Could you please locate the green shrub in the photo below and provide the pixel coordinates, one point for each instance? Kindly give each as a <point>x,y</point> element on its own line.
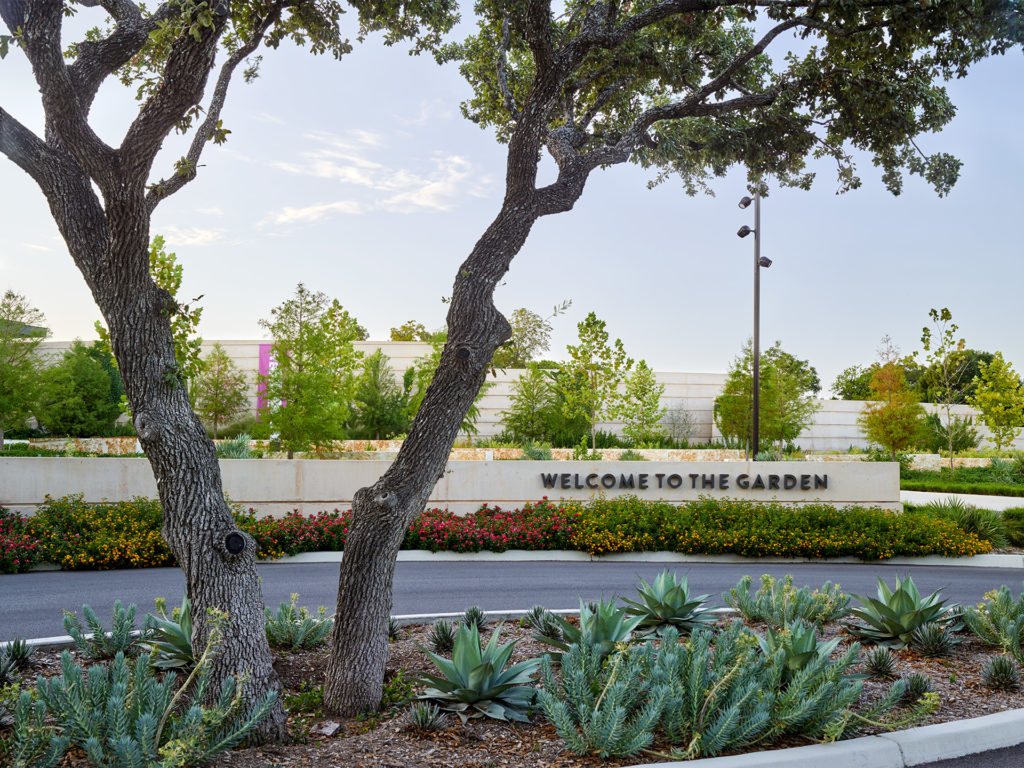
<point>536,451</point>
<point>630,455</point>
<point>965,436</point>
<point>983,523</point>
<point>291,627</point>
<point>100,644</point>
<point>998,621</point>
<point>1013,521</point>
<point>797,646</point>
<point>235,448</point>
<point>779,604</point>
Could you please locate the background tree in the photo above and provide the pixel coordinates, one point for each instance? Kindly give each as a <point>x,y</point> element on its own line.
<point>640,408</point>
<point>102,197</point>
<point>530,406</point>
<point>947,366</point>
<point>307,394</point>
<point>531,335</point>
<point>786,405</point>
<point>1000,399</point>
<point>853,383</point>
<point>75,397</point>
<point>379,402</point>
<point>685,87</point>
<point>894,419</point>
<point>600,368</point>
<point>21,331</point>
<point>420,374</point>
<point>929,380</point>
<point>411,331</point>
<point>220,390</point>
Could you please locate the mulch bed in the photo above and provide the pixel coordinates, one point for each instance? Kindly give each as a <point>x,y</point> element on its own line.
<point>385,740</point>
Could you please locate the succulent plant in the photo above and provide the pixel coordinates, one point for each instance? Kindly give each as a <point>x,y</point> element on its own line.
<point>933,640</point>
<point>917,685</point>
<point>602,624</point>
<point>442,636</point>
<point>799,645</point>
<point>667,602</point>
<point>880,663</point>
<point>424,717</point>
<point>1000,673</point>
<point>292,627</point>
<point>890,620</point>
<point>170,636</point>
<point>475,682</point>
<point>394,629</point>
<point>19,652</point>
<point>474,616</point>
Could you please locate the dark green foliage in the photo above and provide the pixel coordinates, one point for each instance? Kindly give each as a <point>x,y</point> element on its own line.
<point>983,523</point>
<point>603,709</point>
<point>1001,674</point>
<point>394,629</point>
<point>917,685</point>
<point>380,402</point>
<point>779,603</point>
<point>77,397</point>
<point>98,643</point>
<point>235,448</point>
<point>667,602</point>
<point>292,627</point>
<point>933,640</point>
<point>602,625</point>
<point>880,663</point>
<point>536,451</point>
<point>18,651</point>
<point>475,682</point>
<point>936,436</point>
<point>424,717</point>
<point>169,637</point>
<point>630,455</point>
<point>890,620</point>
<point>122,716</point>
<point>442,636</point>
<point>940,485</point>
<point>1013,521</point>
<point>475,617</point>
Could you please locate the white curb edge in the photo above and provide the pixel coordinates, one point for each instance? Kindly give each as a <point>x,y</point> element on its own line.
<point>562,555</point>
<point>899,749</point>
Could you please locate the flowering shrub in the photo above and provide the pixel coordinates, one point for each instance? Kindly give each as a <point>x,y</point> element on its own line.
<point>715,526</point>
<point>295,532</point>
<point>19,550</point>
<point>538,526</point>
<point>77,535</point>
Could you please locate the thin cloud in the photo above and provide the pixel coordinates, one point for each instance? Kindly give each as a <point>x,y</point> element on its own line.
<point>210,211</point>
<point>191,235</point>
<point>289,215</point>
<point>266,117</point>
<point>36,247</point>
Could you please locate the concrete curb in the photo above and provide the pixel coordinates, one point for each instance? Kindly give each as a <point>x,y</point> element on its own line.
<point>900,749</point>
<point>555,555</point>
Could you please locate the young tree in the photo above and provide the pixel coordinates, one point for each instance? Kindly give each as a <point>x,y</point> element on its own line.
<point>531,404</point>
<point>220,389</point>
<point>854,383</point>
<point>307,395</point>
<point>21,332</point>
<point>640,408</point>
<point>894,419</point>
<point>685,87</point>
<point>102,197</point>
<point>1000,399</point>
<point>531,335</point>
<point>379,401</point>
<point>76,396</point>
<point>601,368</point>
<point>947,366</point>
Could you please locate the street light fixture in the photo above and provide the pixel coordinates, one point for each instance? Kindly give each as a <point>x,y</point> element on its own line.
<point>759,262</point>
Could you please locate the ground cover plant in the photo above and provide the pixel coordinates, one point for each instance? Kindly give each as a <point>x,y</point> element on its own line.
<point>77,535</point>
<point>1001,478</point>
<point>730,686</point>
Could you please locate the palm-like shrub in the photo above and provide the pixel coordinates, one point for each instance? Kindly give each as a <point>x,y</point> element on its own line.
<point>98,643</point>
<point>602,625</point>
<point>603,709</point>
<point>780,603</point>
<point>667,602</point>
<point>292,627</point>
<point>475,683</point>
<point>169,636</point>
<point>891,619</point>
<point>999,621</point>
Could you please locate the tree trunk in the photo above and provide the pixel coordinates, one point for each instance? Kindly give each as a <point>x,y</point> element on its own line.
<point>383,511</point>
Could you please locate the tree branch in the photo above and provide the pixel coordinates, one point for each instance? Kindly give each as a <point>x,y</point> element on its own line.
<point>23,148</point>
<point>167,187</point>
<point>506,94</point>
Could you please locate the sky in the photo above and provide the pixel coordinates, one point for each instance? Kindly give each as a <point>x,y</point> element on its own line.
<point>361,179</point>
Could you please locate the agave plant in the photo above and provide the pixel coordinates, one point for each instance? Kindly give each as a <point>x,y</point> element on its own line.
<point>667,603</point>
<point>891,619</point>
<point>170,636</point>
<point>799,646</point>
<point>602,625</point>
<point>475,683</point>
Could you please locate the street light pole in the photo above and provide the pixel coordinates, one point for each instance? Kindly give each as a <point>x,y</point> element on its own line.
<point>758,263</point>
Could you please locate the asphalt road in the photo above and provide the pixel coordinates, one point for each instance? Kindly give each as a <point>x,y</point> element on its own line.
<point>31,604</point>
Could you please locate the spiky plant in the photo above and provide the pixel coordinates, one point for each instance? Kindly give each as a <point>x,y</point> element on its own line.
<point>880,663</point>
<point>535,617</point>
<point>667,603</point>
<point>19,652</point>
<point>170,636</point>
<point>780,603</point>
<point>98,643</point>
<point>602,624</point>
<point>442,636</point>
<point>933,640</point>
<point>293,627</point>
<point>394,629</point>
<point>475,683</point>
<point>890,620</point>
<point>8,668</point>
<point>999,621</point>
<point>603,709</point>
<point>424,717</point>
<point>983,523</point>
<point>1000,673</point>
<point>798,645</point>
<point>475,616</point>
<point>916,686</point>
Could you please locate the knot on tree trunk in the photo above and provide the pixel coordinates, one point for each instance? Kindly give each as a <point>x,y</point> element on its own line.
<point>233,545</point>
<point>145,427</point>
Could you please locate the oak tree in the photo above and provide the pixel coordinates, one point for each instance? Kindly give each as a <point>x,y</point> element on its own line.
<point>21,333</point>
<point>102,196</point>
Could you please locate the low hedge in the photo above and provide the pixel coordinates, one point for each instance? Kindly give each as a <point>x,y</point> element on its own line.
<point>952,486</point>
<point>77,535</point>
